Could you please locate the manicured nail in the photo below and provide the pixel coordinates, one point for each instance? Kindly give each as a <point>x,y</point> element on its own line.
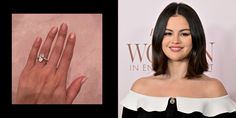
<point>37,42</point>
<point>72,35</point>
<point>38,39</point>
<point>64,26</point>
<point>83,80</point>
<point>54,29</point>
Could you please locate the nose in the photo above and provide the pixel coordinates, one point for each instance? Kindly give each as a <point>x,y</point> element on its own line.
<point>175,39</point>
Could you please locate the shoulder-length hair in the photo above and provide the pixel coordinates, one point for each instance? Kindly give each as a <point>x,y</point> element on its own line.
<point>197,56</point>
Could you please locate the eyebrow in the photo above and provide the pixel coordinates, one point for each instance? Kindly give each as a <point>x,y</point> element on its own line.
<point>179,31</point>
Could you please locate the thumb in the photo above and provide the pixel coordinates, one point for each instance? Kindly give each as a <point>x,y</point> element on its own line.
<point>74,89</point>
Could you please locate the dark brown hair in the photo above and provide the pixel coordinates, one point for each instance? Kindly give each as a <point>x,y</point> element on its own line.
<point>197,57</point>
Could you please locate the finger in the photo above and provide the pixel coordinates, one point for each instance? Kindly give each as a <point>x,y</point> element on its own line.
<point>33,53</point>
<point>67,55</point>
<point>48,42</point>
<point>56,52</point>
<point>74,89</point>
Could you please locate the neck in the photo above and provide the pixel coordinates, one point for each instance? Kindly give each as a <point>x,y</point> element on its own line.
<point>177,69</point>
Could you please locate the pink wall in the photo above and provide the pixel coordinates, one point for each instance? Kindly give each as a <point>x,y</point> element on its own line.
<point>87,58</point>
<point>135,26</point>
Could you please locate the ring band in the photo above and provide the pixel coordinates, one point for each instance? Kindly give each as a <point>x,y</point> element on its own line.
<point>42,58</point>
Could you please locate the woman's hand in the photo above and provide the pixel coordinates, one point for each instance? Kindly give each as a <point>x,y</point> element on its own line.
<point>43,80</point>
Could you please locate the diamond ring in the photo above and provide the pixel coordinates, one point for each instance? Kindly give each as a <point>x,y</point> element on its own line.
<point>42,58</point>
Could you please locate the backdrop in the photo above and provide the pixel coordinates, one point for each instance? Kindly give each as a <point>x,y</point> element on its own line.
<point>87,57</point>
<point>137,19</point>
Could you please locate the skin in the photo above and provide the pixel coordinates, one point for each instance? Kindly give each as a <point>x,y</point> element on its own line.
<point>45,82</point>
<point>176,45</point>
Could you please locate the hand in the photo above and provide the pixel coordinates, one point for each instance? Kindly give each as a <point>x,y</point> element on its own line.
<point>43,81</point>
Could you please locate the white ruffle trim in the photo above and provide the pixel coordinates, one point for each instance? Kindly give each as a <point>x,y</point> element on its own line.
<point>207,106</point>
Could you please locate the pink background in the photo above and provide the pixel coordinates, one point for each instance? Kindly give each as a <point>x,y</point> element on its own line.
<point>87,58</point>
<point>135,26</point>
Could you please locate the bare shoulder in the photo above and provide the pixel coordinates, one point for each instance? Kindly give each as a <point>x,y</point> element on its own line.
<point>215,87</point>
<point>142,84</point>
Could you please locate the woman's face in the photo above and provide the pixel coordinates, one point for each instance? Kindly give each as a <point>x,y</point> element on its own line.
<point>177,41</point>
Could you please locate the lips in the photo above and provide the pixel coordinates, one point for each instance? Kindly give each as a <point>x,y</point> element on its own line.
<point>176,48</point>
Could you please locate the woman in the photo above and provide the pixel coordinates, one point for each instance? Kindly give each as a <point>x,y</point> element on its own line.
<point>178,88</point>
<point>43,80</point>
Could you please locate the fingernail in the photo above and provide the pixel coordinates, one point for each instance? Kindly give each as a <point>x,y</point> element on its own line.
<point>54,29</point>
<point>83,80</point>
<point>37,42</point>
<point>38,39</point>
<point>64,26</point>
<point>72,35</point>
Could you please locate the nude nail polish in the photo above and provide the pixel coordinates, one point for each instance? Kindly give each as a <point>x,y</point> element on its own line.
<point>83,80</point>
<point>72,35</point>
<point>38,39</point>
<point>64,26</point>
<point>54,29</point>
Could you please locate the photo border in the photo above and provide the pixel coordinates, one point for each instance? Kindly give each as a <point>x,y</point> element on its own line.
<point>109,11</point>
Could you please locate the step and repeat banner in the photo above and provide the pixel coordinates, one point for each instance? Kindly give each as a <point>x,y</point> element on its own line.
<point>136,20</point>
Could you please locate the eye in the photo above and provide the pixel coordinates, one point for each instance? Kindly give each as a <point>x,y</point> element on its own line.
<point>167,34</point>
<point>185,34</point>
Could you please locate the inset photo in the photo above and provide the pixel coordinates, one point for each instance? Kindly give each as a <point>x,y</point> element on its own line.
<point>57,58</point>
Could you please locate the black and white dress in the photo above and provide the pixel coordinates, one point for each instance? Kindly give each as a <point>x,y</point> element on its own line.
<point>136,105</point>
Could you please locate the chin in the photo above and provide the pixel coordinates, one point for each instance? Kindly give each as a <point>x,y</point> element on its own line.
<point>176,58</point>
